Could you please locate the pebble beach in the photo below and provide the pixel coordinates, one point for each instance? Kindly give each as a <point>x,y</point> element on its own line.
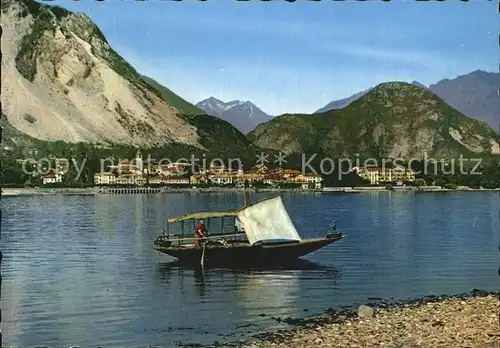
<point>461,321</point>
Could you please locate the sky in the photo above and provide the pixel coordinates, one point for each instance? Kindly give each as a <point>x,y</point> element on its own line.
<point>296,57</point>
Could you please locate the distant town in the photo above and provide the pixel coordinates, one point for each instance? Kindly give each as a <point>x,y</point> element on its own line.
<point>139,172</point>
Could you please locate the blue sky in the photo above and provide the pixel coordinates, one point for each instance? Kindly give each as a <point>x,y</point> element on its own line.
<point>296,57</point>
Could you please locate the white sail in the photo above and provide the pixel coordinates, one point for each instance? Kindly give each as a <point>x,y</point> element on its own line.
<point>267,220</point>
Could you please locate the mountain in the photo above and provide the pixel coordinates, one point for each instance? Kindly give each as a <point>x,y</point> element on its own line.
<point>244,115</point>
<point>418,84</point>
<point>173,99</point>
<point>61,80</point>
<point>342,103</point>
<point>394,119</point>
<point>475,95</point>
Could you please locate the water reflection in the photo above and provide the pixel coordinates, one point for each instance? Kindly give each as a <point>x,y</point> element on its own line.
<point>166,268</point>
<point>82,271</point>
<point>277,289</point>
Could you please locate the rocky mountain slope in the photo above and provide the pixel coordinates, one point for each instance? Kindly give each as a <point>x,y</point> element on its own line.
<point>12,138</point>
<point>475,95</point>
<point>244,115</point>
<point>392,120</point>
<point>61,80</point>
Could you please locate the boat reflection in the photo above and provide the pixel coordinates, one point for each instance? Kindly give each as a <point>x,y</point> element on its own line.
<point>292,265</point>
<point>252,282</point>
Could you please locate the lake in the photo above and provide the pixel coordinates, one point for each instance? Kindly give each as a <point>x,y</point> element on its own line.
<point>80,270</point>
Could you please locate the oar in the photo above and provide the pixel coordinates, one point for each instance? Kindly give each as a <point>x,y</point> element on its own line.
<point>203,254</point>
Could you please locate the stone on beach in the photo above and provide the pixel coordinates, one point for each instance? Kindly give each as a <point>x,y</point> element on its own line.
<point>448,323</point>
<point>365,311</point>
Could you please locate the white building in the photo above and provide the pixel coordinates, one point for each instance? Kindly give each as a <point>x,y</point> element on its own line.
<point>131,179</point>
<point>108,178</point>
<point>221,179</point>
<point>315,180</point>
<point>104,178</point>
<point>139,164</point>
<point>52,179</point>
<point>136,166</point>
<point>169,180</point>
<point>177,180</point>
<point>172,169</point>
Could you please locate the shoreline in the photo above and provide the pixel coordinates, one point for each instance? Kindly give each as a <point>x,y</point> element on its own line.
<point>462,320</point>
<point>6,192</point>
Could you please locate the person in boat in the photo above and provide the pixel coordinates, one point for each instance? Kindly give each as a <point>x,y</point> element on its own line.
<point>200,234</point>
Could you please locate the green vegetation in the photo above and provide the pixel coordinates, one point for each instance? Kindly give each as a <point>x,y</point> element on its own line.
<point>91,156</point>
<point>173,99</point>
<point>29,47</point>
<point>59,12</point>
<point>483,172</point>
<point>217,134</point>
<point>30,7</point>
<point>220,137</point>
<point>25,147</point>
<point>391,118</point>
<point>16,140</point>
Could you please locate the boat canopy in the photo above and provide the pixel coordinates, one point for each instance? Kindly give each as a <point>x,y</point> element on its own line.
<point>263,220</point>
<point>267,220</point>
<point>203,215</point>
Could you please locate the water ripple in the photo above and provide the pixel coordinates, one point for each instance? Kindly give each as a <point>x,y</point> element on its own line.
<point>80,270</point>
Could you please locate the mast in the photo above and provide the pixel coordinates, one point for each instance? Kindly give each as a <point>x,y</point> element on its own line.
<point>245,193</point>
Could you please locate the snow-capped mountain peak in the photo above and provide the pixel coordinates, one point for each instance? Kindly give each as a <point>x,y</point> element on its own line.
<point>244,115</point>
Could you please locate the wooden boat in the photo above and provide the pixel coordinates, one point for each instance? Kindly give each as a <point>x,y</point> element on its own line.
<point>266,236</point>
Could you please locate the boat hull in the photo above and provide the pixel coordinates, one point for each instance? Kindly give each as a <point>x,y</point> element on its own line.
<point>244,253</point>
